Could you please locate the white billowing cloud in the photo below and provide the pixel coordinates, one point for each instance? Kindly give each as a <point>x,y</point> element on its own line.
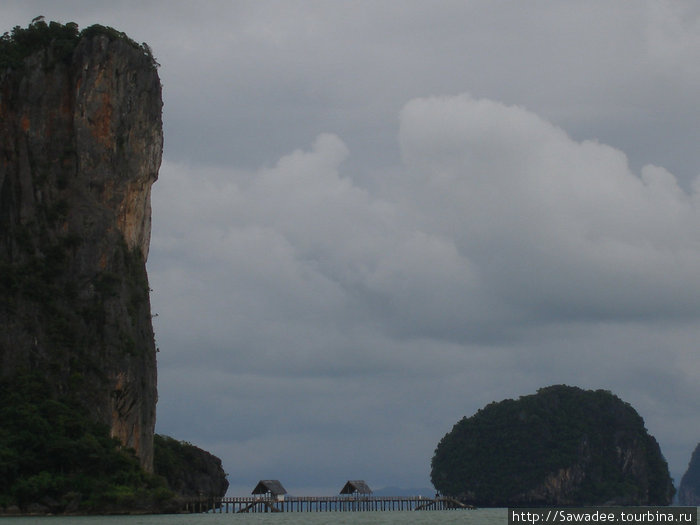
<point>554,226</point>
<point>497,219</point>
<point>300,243</point>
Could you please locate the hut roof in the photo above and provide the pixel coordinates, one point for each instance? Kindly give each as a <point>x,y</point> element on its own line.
<point>272,486</point>
<point>358,485</point>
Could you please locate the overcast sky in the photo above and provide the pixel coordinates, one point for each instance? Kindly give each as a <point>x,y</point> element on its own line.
<point>375,217</point>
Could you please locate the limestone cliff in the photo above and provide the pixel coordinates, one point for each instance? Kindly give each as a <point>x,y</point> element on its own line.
<point>80,146</point>
<point>689,491</point>
<point>560,446</point>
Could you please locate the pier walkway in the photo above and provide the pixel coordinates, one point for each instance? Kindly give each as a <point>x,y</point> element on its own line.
<point>323,504</point>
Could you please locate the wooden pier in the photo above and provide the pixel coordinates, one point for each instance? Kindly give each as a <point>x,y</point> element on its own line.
<point>323,504</point>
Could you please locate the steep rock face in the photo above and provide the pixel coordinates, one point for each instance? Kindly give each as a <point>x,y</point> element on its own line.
<point>689,491</point>
<point>189,470</point>
<point>80,145</point>
<point>561,446</point>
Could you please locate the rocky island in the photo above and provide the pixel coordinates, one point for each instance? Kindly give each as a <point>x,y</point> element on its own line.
<point>689,490</point>
<point>80,146</point>
<point>562,446</point>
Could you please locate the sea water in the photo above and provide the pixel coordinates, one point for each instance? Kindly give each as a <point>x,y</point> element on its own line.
<point>447,517</point>
<point>433,517</point>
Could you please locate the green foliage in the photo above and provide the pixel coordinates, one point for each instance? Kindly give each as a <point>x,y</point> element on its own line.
<point>507,449</point>
<point>21,42</point>
<point>113,34</point>
<point>177,461</point>
<point>168,456</point>
<point>44,278</point>
<point>52,451</point>
<point>172,457</point>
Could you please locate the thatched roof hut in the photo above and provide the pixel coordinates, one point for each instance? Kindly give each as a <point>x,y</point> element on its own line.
<point>356,487</point>
<point>270,486</point>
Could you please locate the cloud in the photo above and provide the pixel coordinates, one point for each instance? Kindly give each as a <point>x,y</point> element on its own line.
<point>498,219</point>
<point>500,248</point>
<point>555,227</point>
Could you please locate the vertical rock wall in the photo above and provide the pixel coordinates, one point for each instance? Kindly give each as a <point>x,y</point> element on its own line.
<point>80,146</point>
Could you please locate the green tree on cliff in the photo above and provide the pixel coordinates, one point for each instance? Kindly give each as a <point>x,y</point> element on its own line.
<point>55,458</point>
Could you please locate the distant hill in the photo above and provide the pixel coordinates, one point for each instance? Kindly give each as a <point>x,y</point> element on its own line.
<point>560,446</point>
<point>689,491</point>
<point>396,491</point>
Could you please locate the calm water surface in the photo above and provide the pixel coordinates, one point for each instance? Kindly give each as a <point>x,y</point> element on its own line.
<point>471,517</point>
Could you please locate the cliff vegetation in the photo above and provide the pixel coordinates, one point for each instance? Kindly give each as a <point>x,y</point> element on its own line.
<point>54,458</point>
<point>190,471</point>
<point>560,446</point>
<point>21,42</point>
